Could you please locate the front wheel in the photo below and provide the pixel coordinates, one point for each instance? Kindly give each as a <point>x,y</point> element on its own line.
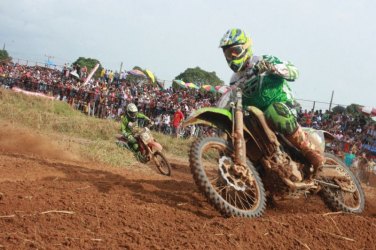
<point>350,196</point>
<point>232,190</point>
<point>162,163</point>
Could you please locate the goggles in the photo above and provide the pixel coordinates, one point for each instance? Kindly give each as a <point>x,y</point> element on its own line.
<point>132,114</point>
<point>235,52</point>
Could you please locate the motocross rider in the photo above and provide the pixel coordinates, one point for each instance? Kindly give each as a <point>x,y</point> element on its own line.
<point>265,86</point>
<point>130,121</point>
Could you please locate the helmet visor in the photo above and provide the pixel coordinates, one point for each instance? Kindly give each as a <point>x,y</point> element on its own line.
<point>234,52</point>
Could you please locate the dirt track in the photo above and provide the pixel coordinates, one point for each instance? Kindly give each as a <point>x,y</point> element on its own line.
<point>51,200</point>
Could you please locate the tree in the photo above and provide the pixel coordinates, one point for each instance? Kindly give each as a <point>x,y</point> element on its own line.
<point>89,63</point>
<point>138,68</point>
<point>4,56</point>
<point>338,109</point>
<point>353,109</point>
<point>199,77</point>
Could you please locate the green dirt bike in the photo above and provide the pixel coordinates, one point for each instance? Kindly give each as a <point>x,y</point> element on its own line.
<point>234,170</point>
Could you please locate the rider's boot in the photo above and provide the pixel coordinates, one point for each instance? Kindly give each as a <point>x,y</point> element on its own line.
<point>301,141</point>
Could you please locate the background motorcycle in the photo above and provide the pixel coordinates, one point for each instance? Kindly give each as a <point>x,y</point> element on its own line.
<point>149,149</point>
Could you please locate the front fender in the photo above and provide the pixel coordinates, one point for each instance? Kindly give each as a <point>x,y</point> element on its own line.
<point>222,119</point>
<point>211,116</point>
<point>155,146</point>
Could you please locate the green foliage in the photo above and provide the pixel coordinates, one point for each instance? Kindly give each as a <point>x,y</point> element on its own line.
<point>200,77</point>
<point>353,109</point>
<point>89,63</point>
<point>338,109</point>
<point>4,56</point>
<point>138,68</point>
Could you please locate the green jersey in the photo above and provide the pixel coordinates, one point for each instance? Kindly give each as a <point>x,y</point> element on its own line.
<point>127,125</point>
<point>261,90</point>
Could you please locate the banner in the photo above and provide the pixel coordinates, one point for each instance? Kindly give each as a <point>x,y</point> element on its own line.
<point>18,90</point>
<point>91,74</point>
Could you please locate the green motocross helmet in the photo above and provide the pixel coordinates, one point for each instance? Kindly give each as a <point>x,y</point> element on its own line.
<point>236,47</point>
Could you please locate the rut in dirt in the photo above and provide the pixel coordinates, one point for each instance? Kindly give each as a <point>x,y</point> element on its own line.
<point>139,208</point>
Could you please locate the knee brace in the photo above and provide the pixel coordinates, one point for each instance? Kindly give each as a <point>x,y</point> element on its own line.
<point>281,118</point>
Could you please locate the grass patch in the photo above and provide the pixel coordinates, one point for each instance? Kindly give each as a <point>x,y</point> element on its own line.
<point>91,138</point>
<point>57,116</point>
<point>178,147</point>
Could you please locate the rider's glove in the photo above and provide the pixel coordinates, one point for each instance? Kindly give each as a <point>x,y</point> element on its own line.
<point>131,125</point>
<point>129,137</point>
<point>265,66</point>
<point>125,134</point>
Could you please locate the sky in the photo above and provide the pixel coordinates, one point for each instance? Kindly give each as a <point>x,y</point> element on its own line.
<point>332,42</point>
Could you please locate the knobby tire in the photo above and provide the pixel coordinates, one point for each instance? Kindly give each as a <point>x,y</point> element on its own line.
<point>204,184</point>
<point>162,164</point>
<point>333,201</point>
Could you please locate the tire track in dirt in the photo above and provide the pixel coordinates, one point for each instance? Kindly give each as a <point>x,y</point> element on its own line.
<point>56,202</point>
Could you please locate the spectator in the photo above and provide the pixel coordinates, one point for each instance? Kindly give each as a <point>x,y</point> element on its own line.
<point>355,134</point>
<point>178,118</point>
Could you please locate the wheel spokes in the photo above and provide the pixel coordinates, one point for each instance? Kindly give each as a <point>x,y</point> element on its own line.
<point>240,192</point>
<point>349,193</point>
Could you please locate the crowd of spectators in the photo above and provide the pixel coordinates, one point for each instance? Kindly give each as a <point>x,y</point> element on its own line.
<point>107,95</point>
<point>355,135</point>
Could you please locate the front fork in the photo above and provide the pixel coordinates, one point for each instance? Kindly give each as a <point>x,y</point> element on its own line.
<point>238,131</point>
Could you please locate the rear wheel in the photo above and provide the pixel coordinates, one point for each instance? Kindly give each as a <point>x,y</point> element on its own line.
<point>162,163</point>
<point>350,196</point>
<point>233,190</point>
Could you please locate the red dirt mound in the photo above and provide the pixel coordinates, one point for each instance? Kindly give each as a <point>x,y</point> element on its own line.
<point>49,202</point>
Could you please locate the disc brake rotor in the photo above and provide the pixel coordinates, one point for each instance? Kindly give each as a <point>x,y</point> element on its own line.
<point>345,181</point>
<point>237,176</point>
